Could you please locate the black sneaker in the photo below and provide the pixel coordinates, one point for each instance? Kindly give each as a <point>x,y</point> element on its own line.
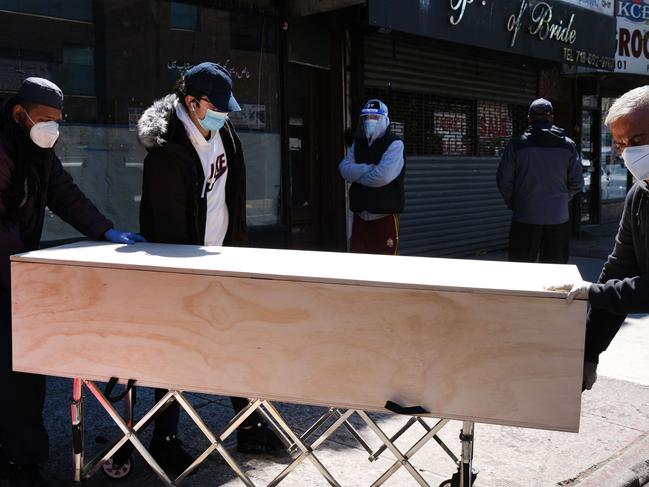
<point>28,476</point>
<point>258,439</point>
<point>168,451</point>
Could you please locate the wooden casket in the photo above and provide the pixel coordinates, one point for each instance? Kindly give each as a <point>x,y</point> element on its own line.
<point>472,340</point>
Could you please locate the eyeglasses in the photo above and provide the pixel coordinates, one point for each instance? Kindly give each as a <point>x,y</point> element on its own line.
<point>205,99</point>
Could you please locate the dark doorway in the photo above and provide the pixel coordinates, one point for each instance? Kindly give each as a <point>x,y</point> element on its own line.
<point>314,101</point>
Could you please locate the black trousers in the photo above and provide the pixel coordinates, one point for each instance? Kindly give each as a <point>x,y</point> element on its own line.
<point>23,435</point>
<point>547,244</point>
<point>167,423</point>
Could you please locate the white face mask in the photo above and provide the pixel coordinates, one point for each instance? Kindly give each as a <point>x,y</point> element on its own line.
<point>636,160</point>
<point>44,134</point>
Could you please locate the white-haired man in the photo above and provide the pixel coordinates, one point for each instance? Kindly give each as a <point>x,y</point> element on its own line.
<point>623,285</point>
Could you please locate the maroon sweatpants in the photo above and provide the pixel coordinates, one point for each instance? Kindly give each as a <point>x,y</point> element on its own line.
<point>375,237</point>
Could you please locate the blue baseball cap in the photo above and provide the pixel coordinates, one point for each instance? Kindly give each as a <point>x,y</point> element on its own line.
<point>374,107</point>
<point>215,82</point>
<point>41,92</point>
<point>541,106</point>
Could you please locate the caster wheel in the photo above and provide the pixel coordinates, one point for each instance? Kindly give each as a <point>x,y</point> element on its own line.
<point>455,480</point>
<point>116,471</point>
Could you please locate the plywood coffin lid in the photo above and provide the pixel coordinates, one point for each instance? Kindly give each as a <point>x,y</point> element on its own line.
<point>460,275</point>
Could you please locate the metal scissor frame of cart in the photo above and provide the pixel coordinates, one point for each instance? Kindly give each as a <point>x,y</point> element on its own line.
<point>298,445</point>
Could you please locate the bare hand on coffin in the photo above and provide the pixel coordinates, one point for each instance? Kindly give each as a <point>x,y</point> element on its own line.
<point>578,290</point>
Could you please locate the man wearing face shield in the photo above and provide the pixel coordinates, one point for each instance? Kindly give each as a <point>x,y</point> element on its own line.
<point>194,192</point>
<point>623,285</point>
<point>31,178</point>
<point>375,167</point>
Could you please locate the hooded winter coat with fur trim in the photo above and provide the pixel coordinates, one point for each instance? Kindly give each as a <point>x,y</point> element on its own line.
<point>172,209</point>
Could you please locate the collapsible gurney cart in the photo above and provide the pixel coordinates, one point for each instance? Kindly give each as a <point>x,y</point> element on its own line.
<point>477,341</point>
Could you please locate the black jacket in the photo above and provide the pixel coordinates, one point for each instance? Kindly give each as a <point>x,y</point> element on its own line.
<point>172,209</point>
<point>539,173</point>
<point>384,199</point>
<point>623,286</point>
<point>50,185</point>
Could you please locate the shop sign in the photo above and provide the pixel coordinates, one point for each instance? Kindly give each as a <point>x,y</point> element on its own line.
<point>602,6</point>
<point>573,32</point>
<point>494,121</point>
<point>632,55</point>
<point>236,72</point>
<point>451,128</point>
<point>134,114</point>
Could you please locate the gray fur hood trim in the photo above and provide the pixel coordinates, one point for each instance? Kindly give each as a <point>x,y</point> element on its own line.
<point>152,128</point>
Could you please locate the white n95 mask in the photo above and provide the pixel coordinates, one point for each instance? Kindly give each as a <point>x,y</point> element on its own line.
<point>636,160</point>
<point>44,134</point>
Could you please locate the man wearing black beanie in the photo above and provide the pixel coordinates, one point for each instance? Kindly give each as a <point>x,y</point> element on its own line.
<point>31,178</point>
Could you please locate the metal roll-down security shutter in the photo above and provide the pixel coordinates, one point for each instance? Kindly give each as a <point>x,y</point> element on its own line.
<point>453,206</point>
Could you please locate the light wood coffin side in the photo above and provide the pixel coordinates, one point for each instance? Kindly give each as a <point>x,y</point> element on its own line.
<point>510,360</point>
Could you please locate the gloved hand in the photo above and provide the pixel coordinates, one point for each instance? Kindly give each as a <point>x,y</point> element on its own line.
<point>122,237</point>
<point>589,377</point>
<point>578,290</point>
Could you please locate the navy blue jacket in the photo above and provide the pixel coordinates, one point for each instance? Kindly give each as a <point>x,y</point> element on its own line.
<point>623,286</point>
<point>539,173</point>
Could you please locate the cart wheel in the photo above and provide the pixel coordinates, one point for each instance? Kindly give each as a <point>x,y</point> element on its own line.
<point>115,471</point>
<point>455,480</point>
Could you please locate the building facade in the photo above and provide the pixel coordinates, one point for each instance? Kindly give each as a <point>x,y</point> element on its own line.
<point>457,75</point>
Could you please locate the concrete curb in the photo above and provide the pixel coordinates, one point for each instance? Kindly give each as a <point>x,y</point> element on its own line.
<point>628,468</point>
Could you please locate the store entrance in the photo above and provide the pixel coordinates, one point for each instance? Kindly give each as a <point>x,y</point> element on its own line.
<point>590,162</point>
<point>315,147</point>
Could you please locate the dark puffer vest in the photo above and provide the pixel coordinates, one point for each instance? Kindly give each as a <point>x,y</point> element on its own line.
<point>385,199</point>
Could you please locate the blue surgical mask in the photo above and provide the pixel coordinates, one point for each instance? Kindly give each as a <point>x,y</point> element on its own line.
<point>370,127</point>
<point>213,121</point>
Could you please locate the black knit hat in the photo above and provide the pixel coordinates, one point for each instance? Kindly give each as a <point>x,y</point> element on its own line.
<point>41,92</point>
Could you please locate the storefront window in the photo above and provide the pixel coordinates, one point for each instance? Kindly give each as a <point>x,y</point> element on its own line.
<point>495,127</point>
<point>114,66</point>
<point>65,9</point>
<point>435,125</point>
<point>184,16</point>
<point>613,173</point>
<point>77,73</point>
<point>588,165</point>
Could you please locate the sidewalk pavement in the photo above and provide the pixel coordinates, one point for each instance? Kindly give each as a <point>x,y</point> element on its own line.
<point>611,449</point>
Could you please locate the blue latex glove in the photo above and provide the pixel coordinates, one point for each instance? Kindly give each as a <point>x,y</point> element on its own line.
<point>121,237</point>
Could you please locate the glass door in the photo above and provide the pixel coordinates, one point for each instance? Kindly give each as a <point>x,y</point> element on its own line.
<point>613,173</point>
<point>590,164</point>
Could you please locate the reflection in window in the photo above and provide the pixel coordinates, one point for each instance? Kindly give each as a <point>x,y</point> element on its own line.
<point>65,9</point>
<point>113,70</point>
<point>77,74</point>
<point>613,174</point>
<point>252,33</point>
<point>184,16</point>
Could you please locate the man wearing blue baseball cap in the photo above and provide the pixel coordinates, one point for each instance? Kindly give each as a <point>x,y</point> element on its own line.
<point>194,192</point>
<point>31,178</point>
<point>375,167</point>
<point>539,173</point>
